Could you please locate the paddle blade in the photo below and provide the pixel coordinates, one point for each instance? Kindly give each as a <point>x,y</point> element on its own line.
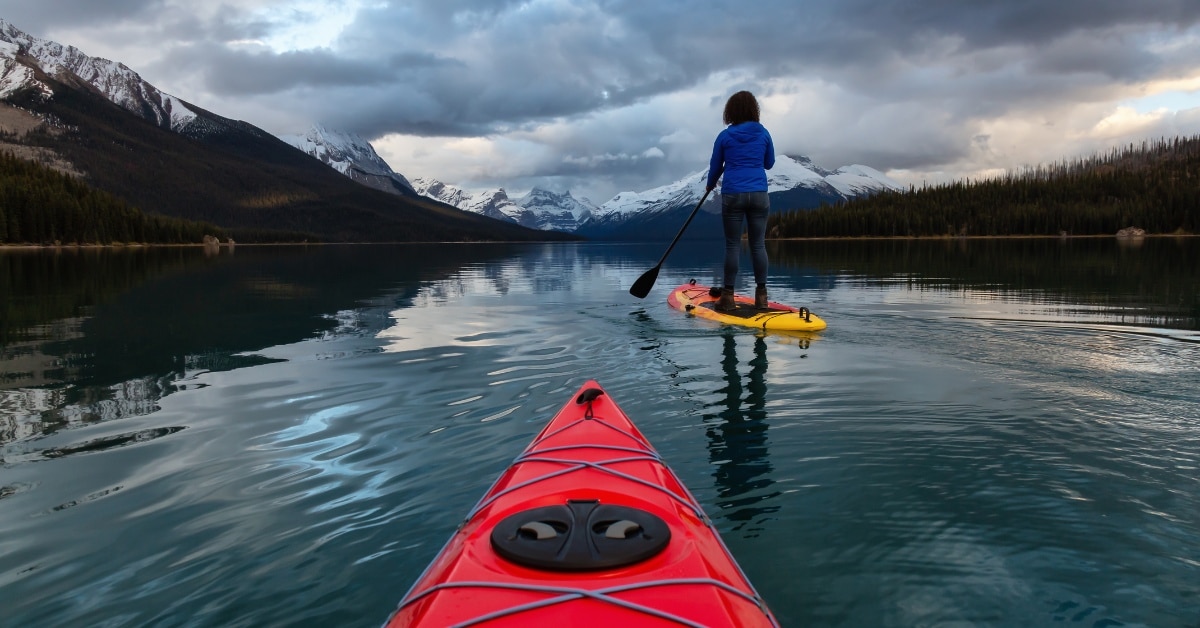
<point>642,286</point>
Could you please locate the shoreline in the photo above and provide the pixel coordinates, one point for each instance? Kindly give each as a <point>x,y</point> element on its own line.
<point>946,238</point>
<point>140,245</point>
<point>994,237</point>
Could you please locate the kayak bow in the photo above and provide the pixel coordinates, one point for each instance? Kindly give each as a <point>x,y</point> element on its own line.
<point>588,526</point>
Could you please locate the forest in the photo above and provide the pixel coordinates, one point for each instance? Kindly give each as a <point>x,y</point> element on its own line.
<point>1154,186</point>
<point>39,205</point>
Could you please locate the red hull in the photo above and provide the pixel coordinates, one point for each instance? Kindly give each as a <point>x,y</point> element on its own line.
<point>589,451</point>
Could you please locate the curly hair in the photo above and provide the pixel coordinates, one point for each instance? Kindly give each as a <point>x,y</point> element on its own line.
<point>741,107</point>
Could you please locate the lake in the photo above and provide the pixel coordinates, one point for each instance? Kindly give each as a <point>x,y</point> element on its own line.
<point>989,433</point>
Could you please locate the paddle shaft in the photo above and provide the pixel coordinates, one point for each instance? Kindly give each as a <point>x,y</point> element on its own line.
<point>683,228</point>
<point>641,287</point>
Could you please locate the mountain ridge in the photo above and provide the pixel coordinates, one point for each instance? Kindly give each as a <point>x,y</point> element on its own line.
<point>351,155</point>
<point>540,209</point>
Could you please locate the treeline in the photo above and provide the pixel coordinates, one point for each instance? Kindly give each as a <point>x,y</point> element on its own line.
<point>39,205</point>
<point>1154,186</point>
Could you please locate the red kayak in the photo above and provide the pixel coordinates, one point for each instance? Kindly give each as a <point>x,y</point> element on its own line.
<point>587,527</point>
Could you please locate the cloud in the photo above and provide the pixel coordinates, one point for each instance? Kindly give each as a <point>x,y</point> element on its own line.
<point>43,15</point>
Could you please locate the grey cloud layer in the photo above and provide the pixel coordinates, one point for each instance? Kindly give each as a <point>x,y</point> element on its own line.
<point>506,64</point>
<point>526,61</point>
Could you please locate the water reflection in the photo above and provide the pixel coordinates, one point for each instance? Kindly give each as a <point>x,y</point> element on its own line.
<point>93,335</point>
<point>1155,283</point>
<point>737,438</point>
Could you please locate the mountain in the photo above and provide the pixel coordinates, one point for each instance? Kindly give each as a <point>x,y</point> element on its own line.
<point>554,211</point>
<point>168,156</point>
<point>492,203</point>
<point>351,155</point>
<point>539,209</point>
<point>795,182</point>
<point>68,65</point>
<point>445,193</point>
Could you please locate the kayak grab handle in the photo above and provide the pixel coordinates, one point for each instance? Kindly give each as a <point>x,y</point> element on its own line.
<point>589,396</point>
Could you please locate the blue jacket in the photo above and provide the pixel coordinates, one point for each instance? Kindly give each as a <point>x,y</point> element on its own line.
<point>744,153</point>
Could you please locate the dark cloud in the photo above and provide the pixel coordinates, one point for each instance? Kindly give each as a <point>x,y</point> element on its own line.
<point>524,62</point>
<point>983,24</point>
<point>39,16</point>
<point>235,73</point>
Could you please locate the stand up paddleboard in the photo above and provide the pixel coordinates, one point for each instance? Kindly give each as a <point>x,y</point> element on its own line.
<point>701,301</point>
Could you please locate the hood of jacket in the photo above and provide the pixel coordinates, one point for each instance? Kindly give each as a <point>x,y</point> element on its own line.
<point>747,132</point>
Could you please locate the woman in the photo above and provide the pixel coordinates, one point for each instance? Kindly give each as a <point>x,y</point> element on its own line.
<point>743,152</point>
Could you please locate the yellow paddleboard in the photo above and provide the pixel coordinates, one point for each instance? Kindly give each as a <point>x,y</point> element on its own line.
<point>700,301</point>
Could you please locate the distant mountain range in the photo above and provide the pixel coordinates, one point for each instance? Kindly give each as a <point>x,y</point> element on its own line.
<point>162,154</point>
<point>794,183</point>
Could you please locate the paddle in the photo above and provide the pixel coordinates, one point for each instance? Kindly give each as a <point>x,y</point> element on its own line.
<point>642,286</point>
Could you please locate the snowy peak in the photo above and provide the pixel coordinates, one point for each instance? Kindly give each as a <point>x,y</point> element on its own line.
<point>439,191</point>
<point>687,190</point>
<point>806,162</point>
<point>789,174</point>
<point>491,203</point>
<point>858,180</point>
<point>67,64</point>
<point>539,209</point>
<point>558,212</point>
<point>849,181</point>
<point>351,155</point>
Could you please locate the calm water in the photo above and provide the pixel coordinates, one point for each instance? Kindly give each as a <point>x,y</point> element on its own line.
<point>993,433</point>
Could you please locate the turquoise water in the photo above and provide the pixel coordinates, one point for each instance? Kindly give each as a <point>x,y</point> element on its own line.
<point>989,433</point>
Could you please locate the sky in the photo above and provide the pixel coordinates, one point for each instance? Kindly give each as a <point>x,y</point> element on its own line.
<point>605,96</point>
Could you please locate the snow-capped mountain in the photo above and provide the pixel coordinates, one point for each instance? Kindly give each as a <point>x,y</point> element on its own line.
<point>492,203</point>
<point>539,209</point>
<point>443,192</point>
<point>849,181</point>
<point>23,56</point>
<point>557,212</point>
<point>788,175</point>
<point>795,182</point>
<point>351,155</point>
<point>626,205</point>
